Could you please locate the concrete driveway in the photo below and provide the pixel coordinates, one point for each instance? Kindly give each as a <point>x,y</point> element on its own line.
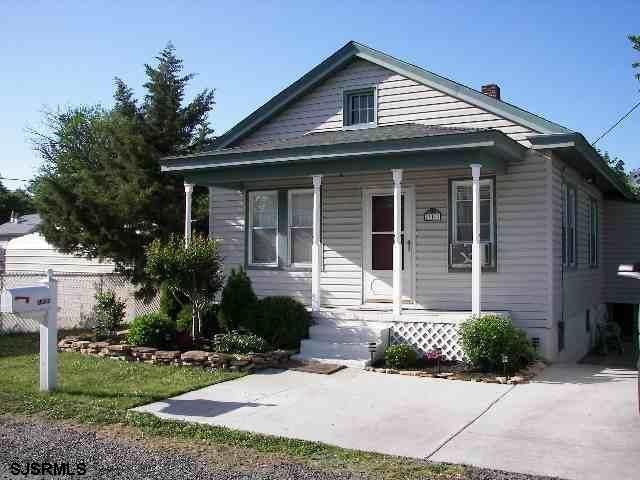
<point>575,422</point>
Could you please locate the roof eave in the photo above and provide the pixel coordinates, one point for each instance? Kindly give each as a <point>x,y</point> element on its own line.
<point>502,145</point>
<point>576,142</point>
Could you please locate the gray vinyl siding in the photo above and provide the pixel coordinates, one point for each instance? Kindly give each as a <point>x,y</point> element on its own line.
<point>520,283</point>
<point>579,288</point>
<point>621,230</point>
<point>400,100</point>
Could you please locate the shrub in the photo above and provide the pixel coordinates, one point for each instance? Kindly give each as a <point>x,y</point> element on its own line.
<point>152,330</point>
<point>486,338</point>
<point>209,324</point>
<point>184,319</point>
<point>235,342</point>
<point>193,270</point>
<point>400,356</point>
<point>169,304</point>
<point>109,314</point>
<point>281,321</point>
<point>238,301</point>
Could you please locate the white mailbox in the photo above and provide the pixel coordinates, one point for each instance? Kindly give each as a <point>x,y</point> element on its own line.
<point>25,299</point>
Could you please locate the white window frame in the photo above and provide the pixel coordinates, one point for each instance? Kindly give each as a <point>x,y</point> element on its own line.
<point>290,193</point>
<point>566,189</point>
<point>346,94</point>
<point>594,222</point>
<point>454,210</point>
<point>251,227</point>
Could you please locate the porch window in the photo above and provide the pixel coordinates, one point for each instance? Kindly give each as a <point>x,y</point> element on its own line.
<point>300,227</point>
<point>263,228</point>
<point>359,107</point>
<point>462,223</point>
<point>569,225</point>
<point>594,232</point>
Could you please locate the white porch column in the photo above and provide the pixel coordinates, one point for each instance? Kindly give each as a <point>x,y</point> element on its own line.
<point>476,266</point>
<point>316,248</point>
<point>210,212</point>
<point>188,191</point>
<point>397,243</point>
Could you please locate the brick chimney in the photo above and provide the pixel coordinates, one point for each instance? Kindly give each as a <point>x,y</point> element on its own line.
<point>492,90</point>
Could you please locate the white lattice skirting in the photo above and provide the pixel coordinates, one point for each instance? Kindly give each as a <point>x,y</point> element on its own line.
<point>425,336</point>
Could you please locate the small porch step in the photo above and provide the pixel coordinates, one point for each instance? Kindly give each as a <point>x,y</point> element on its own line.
<point>348,354</point>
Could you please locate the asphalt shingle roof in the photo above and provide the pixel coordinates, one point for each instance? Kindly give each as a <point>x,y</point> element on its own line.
<point>26,224</point>
<point>356,135</point>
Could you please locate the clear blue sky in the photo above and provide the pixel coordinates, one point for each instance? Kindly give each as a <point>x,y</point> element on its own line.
<point>567,61</point>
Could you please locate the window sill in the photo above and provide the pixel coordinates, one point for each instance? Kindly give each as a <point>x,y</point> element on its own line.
<point>468,269</point>
<point>360,126</point>
<point>291,268</point>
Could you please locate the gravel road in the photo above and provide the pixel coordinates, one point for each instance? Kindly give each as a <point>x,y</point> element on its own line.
<point>104,457</point>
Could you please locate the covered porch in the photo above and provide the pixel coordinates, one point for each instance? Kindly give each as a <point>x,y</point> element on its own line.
<point>371,227</point>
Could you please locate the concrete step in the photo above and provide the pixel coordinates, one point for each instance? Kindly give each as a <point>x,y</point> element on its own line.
<point>350,354</point>
<point>344,333</point>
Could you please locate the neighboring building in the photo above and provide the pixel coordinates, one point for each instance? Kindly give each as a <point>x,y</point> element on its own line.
<point>18,226</point>
<point>354,190</point>
<point>32,253</point>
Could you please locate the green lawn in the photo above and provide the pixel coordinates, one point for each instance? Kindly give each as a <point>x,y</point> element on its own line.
<point>100,391</point>
<point>90,389</point>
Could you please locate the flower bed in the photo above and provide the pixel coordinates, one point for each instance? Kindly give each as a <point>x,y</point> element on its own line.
<point>461,371</point>
<point>193,358</point>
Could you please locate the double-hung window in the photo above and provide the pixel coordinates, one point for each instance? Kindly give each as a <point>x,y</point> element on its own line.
<point>359,107</point>
<point>300,235</point>
<point>462,222</point>
<point>569,254</point>
<point>594,232</point>
<point>263,228</point>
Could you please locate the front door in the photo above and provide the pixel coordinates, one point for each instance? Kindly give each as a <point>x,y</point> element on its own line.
<point>378,247</point>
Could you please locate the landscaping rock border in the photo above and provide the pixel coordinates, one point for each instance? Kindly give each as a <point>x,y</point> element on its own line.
<point>522,376</point>
<point>192,358</point>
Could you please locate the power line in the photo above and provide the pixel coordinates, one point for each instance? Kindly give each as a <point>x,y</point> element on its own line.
<point>617,123</point>
<point>15,179</point>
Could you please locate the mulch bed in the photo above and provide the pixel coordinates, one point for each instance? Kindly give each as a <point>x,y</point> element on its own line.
<point>461,371</point>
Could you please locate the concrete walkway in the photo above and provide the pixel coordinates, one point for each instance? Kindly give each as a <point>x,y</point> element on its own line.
<point>577,421</point>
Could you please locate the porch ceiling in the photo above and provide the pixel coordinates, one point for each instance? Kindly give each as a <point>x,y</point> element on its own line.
<point>410,146</point>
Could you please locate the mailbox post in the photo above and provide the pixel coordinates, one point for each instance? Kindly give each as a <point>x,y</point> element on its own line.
<point>39,298</point>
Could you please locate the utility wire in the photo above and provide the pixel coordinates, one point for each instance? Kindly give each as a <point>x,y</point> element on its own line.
<point>15,179</point>
<point>616,124</point>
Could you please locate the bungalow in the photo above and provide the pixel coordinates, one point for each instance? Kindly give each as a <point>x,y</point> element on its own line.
<point>397,203</point>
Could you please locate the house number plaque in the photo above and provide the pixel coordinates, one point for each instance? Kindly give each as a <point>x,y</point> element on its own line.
<point>432,215</point>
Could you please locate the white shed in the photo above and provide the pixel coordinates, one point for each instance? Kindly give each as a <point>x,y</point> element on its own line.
<point>32,253</point>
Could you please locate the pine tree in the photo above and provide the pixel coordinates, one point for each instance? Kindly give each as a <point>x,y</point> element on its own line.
<point>100,191</point>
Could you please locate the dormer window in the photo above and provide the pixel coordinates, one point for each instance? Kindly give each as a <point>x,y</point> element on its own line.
<point>359,107</point>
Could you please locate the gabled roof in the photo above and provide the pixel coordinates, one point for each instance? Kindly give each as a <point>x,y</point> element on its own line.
<point>354,50</point>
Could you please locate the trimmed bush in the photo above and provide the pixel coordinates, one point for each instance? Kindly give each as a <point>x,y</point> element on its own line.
<point>400,356</point>
<point>235,342</point>
<point>238,301</point>
<point>281,321</point>
<point>152,330</point>
<point>109,314</point>
<point>486,338</point>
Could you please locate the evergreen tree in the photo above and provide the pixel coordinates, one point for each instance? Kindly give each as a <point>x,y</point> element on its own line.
<point>100,190</point>
<point>18,201</point>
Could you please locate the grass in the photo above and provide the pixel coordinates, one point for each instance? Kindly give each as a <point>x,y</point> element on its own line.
<point>100,392</point>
